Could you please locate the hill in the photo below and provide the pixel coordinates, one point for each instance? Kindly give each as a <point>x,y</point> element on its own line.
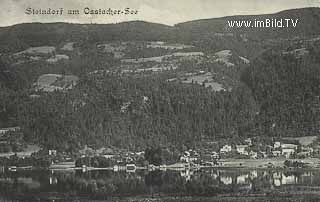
<point>21,36</point>
<point>308,25</point>
<point>136,84</point>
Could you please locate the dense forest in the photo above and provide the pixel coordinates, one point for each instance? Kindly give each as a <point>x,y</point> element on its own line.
<point>134,113</point>
<point>287,89</point>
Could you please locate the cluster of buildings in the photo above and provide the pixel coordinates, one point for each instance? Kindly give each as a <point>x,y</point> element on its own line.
<point>249,150</point>
<point>281,148</point>
<point>8,134</point>
<point>290,149</point>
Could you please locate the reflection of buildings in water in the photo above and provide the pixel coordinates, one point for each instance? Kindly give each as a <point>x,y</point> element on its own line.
<point>187,174</point>
<point>277,182</point>
<point>277,175</point>
<point>1,169</point>
<point>29,182</point>
<point>241,179</point>
<point>214,175</point>
<point>253,174</point>
<point>280,178</point>
<point>306,178</point>
<point>277,178</point>
<point>227,180</point>
<point>53,180</point>
<point>265,174</point>
<point>7,180</point>
<point>290,179</point>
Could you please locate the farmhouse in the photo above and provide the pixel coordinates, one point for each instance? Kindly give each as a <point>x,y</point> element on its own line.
<point>225,149</point>
<point>277,145</point>
<point>288,149</point>
<point>242,149</point>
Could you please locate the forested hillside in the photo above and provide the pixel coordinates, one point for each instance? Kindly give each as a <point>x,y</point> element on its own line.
<point>135,113</point>
<point>287,88</point>
<point>137,84</point>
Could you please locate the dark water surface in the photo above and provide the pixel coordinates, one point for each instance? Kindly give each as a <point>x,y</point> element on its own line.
<point>45,185</point>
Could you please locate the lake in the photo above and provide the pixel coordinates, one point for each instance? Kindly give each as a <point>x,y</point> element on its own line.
<point>46,185</point>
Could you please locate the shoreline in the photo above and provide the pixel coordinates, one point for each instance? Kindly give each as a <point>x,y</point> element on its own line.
<point>240,164</point>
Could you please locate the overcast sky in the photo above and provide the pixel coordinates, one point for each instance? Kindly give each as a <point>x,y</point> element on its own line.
<point>161,11</point>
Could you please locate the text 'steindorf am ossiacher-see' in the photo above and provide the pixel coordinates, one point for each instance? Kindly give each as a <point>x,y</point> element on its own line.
<point>85,11</point>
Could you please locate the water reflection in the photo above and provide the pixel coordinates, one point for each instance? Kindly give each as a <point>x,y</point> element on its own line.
<point>104,184</point>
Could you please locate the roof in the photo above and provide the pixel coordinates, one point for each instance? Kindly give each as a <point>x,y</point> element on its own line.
<point>241,146</point>
<point>289,146</point>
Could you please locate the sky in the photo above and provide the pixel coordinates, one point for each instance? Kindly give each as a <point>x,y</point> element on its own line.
<point>167,12</point>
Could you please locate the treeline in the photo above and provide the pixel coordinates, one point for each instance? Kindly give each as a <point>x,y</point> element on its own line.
<point>34,160</point>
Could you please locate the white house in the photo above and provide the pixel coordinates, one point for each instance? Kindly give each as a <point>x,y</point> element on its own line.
<point>225,149</point>
<point>242,149</point>
<point>277,145</point>
<point>288,149</point>
<point>189,156</point>
<point>188,159</point>
<point>52,152</point>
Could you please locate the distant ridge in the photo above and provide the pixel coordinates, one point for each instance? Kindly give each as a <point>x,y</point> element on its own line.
<point>21,36</point>
<point>308,24</point>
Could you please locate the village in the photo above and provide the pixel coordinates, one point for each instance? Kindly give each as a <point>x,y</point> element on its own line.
<point>249,153</point>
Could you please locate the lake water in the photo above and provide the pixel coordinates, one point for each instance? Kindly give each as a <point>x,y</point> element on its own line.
<point>44,185</point>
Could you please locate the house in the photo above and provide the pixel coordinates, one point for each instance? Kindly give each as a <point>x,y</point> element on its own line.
<point>11,129</point>
<point>242,149</point>
<point>184,159</point>
<point>276,153</point>
<point>253,154</point>
<point>263,155</point>
<point>277,145</point>
<point>225,149</point>
<point>215,155</point>
<point>189,156</point>
<point>248,141</point>
<point>288,149</point>
<point>306,152</point>
<point>52,152</point>
<point>188,159</point>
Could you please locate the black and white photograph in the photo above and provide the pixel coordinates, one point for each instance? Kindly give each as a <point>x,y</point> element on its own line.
<point>160,101</point>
